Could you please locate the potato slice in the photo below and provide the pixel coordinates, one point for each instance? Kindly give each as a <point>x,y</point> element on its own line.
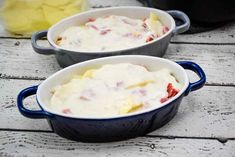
<point>155,25</point>
<point>153,17</point>
<point>34,4</point>
<point>72,10</point>
<point>13,4</point>
<point>75,6</point>
<point>37,19</point>
<point>53,14</point>
<point>16,22</point>
<point>14,15</point>
<point>76,77</point>
<point>135,107</point>
<point>27,16</point>
<point>23,16</point>
<point>8,4</point>
<point>58,3</point>
<point>88,73</point>
<point>140,84</point>
<point>129,106</point>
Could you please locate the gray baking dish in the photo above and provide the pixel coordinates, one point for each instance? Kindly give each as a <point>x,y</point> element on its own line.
<point>157,47</point>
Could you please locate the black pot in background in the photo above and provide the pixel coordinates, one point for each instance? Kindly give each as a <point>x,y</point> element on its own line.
<point>199,11</point>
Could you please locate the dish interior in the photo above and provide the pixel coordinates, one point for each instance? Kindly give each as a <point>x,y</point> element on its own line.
<point>131,12</point>
<point>44,92</point>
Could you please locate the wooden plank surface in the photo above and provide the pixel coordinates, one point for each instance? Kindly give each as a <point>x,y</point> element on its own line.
<point>23,62</point>
<point>211,109</point>
<point>216,60</point>
<point>10,116</point>
<point>49,144</point>
<point>204,116</point>
<point>19,56</point>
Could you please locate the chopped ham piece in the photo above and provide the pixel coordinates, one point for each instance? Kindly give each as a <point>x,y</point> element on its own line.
<point>94,27</point>
<point>150,38</point>
<point>162,100</point>
<point>83,98</point>
<point>165,29</point>
<point>66,111</point>
<point>144,25</point>
<point>103,32</point>
<point>91,19</point>
<point>171,92</point>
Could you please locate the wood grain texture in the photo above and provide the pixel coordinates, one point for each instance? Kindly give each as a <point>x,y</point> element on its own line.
<point>203,117</point>
<point>23,62</point>
<point>49,144</point>
<point>216,60</point>
<point>10,117</point>
<point>211,110</point>
<point>208,112</point>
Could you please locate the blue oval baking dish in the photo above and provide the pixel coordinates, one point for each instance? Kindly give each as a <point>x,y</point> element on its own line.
<point>95,129</point>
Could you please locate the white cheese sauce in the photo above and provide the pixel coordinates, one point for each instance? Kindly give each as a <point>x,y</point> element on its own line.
<point>110,33</point>
<point>113,89</point>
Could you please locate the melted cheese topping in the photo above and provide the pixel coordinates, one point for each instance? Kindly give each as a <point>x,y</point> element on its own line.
<point>113,89</point>
<point>111,33</point>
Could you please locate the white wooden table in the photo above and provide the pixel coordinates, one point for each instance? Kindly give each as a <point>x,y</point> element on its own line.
<point>204,125</point>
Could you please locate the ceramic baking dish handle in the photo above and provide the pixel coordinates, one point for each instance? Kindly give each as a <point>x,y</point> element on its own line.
<point>180,16</point>
<point>42,50</point>
<point>26,112</point>
<point>198,70</point>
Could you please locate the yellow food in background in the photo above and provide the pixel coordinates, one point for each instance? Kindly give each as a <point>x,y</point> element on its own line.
<point>53,14</point>
<point>28,16</point>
